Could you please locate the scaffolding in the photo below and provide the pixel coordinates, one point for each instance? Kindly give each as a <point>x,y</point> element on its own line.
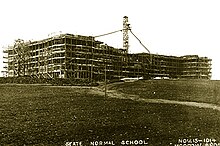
<point>83,57</point>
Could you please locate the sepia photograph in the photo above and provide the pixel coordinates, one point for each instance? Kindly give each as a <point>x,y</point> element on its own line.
<point>110,73</point>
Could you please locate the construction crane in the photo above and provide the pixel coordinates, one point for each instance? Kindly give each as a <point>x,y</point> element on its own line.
<point>126,29</point>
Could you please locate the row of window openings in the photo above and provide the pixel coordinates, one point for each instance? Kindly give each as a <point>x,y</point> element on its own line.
<point>62,41</point>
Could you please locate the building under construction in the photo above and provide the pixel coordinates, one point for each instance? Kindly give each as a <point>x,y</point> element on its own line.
<point>75,56</point>
<point>84,57</point>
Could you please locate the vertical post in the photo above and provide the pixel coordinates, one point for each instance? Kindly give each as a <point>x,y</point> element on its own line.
<point>125,34</point>
<point>105,81</point>
<point>65,59</point>
<point>105,73</point>
<point>138,70</point>
<point>91,61</point>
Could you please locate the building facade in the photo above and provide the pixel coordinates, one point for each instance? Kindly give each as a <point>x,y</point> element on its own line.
<point>80,57</point>
<point>185,67</point>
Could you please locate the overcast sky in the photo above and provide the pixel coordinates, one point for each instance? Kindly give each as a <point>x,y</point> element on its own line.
<point>166,27</point>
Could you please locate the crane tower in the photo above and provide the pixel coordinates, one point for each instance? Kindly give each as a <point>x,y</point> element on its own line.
<point>126,28</point>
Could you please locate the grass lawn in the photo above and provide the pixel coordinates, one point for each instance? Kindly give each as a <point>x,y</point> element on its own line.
<point>185,90</point>
<point>43,115</point>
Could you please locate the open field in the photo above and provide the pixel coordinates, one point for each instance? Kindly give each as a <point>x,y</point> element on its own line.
<point>50,115</point>
<point>184,90</point>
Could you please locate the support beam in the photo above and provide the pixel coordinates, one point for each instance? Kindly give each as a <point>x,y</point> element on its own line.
<point>126,28</point>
